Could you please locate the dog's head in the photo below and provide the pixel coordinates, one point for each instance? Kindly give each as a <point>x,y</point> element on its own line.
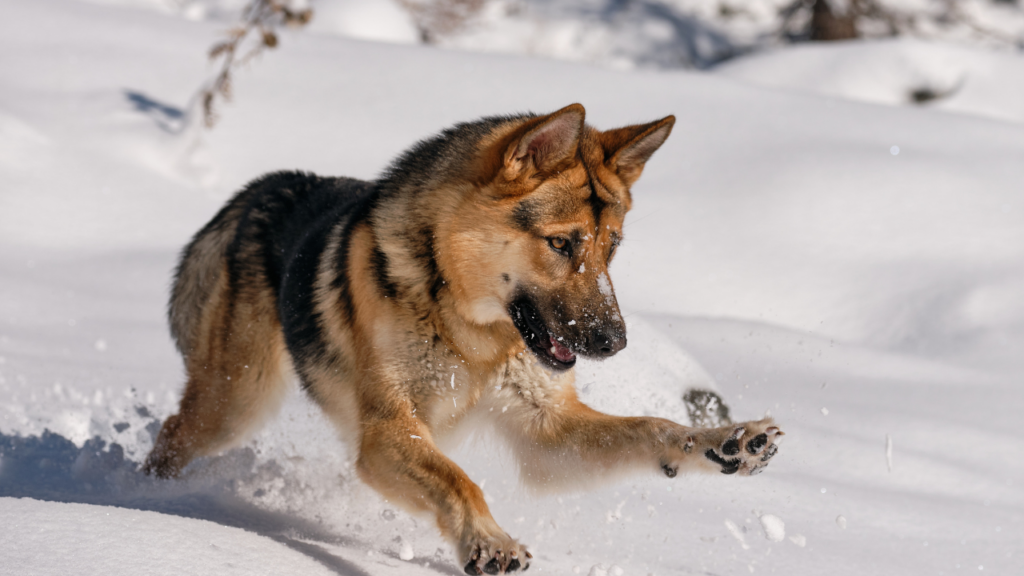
<point>536,236</point>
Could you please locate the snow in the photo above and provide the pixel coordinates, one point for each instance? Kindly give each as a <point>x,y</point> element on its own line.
<point>888,452</point>
<point>778,252</point>
<point>383,21</point>
<point>601,570</point>
<point>736,533</point>
<point>43,538</point>
<point>964,80</point>
<point>406,552</point>
<point>773,526</point>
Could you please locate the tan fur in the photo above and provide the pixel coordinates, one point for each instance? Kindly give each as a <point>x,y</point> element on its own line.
<point>415,353</point>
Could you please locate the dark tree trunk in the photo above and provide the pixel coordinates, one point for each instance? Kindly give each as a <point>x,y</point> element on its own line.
<point>827,25</point>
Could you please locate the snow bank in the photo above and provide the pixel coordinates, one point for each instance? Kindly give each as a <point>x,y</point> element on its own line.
<point>895,72</point>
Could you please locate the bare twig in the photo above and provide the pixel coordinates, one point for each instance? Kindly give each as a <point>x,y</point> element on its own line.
<point>260,19</point>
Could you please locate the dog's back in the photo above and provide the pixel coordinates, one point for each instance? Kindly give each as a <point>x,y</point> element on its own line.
<point>255,240</point>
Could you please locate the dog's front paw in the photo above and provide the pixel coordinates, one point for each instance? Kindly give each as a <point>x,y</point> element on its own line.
<point>739,448</point>
<point>499,554</point>
<point>743,448</point>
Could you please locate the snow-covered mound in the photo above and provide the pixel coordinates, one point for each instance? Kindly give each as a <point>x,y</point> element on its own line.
<point>895,72</point>
<point>781,248</point>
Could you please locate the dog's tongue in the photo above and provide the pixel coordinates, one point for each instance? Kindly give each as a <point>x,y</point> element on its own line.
<point>560,352</point>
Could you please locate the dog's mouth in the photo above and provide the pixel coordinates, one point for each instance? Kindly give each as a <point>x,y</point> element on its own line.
<point>538,338</point>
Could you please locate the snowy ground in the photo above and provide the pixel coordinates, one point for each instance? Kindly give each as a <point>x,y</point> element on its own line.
<point>856,268</point>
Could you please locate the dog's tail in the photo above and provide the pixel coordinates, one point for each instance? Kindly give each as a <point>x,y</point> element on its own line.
<point>203,266</point>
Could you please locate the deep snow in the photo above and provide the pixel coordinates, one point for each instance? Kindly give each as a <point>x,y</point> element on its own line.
<point>778,248</point>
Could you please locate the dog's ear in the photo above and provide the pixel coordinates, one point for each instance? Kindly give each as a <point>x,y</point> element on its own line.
<point>627,149</point>
<point>544,142</point>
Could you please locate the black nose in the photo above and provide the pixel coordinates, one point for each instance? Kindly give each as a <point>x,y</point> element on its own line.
<point>606,344</point>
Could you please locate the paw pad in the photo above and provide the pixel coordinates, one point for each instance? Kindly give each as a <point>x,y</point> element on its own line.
<point>750,455</point>
<point>732,445</point>
<point>669,470</point>
<point>728,466</point>
<point>499,563</point>
<point>757,443</point>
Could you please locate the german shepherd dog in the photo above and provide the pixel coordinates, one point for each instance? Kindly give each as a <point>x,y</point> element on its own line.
<point>466,279</point>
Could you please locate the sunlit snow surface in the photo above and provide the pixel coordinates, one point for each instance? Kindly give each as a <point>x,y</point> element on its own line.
<point>777,250</point>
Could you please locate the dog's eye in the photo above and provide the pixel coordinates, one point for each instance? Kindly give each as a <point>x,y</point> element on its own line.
<point>560,245</point>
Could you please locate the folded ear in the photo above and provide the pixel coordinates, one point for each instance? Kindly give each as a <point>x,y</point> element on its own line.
<point>545,142</point>
<point>627,149</point>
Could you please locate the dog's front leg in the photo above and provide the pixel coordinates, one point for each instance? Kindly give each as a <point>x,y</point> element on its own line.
<point>399,459</point>
<point>567,443</point>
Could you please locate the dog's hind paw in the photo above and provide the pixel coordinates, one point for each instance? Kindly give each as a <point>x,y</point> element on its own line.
<point>498,556</point>
<point>743,448</point>
<point>706,408</point>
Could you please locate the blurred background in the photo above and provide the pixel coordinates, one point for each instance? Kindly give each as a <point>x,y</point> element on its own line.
<point>635,33</point>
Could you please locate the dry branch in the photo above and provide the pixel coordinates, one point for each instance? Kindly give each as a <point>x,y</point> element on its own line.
<point>255,33</point>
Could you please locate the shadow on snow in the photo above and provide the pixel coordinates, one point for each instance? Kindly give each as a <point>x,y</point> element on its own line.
<point>51,467</point>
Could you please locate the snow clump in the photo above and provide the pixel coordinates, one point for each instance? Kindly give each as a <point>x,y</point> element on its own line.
<point>774,527</point>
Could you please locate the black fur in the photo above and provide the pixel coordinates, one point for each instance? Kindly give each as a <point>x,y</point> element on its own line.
<point>524,216</point>
<point>360,210</point>
<point>596,203</point>
<point>381,274</point>
<point>285,221</point>
<point>434,158</point>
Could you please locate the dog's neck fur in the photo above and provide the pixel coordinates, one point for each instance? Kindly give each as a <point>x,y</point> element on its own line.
<point>412,220</point>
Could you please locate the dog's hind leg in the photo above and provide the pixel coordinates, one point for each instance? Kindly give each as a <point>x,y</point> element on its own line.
<point>236,378</point>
